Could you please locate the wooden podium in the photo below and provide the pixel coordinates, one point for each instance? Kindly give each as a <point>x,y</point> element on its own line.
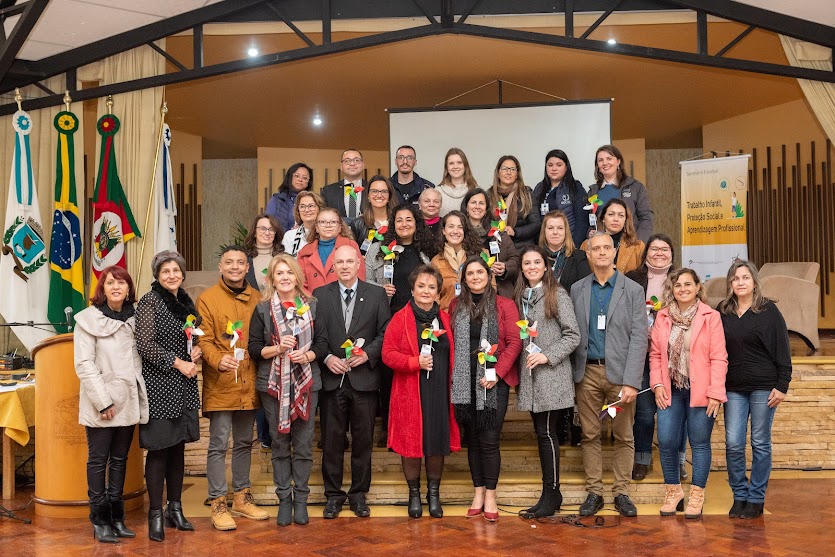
<point>61,442</point>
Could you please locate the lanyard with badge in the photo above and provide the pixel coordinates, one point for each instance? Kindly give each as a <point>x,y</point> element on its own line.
<point>526,329</point>
<point>601,314</point>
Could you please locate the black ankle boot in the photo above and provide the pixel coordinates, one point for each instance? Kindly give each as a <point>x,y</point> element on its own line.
<point>551,503</point>
<point>285,511</point>
<point>117,510</point>
<point>156,531</point>
<point>752,510</point>
<point>528,513</point>
<point>433,499</point>
<point>174,517</point>
<point>101,517</point>
<point>415,508</point>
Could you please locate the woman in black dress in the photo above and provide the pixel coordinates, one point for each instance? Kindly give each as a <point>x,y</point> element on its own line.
<point>170,375</point>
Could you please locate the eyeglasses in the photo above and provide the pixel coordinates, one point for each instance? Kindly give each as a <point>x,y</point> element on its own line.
<point>327,222</point>
<point>378,193</point>
<point>401,158</point>
<point>309,207</point>
<point>508,169</point>
<point>659,250</point>
<point>355,160</point>
<point>265,230</point>
<point>301,177</point>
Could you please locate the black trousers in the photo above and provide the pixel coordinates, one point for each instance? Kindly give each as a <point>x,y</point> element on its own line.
<point>165,468</point>
<point>545,425</point>
<point>338,408</point>
<point>107,458</point>
<point>483,452</point>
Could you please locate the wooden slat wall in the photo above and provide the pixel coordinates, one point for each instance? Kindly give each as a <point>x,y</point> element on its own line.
<point>189,236</point>
<point>791,215</point>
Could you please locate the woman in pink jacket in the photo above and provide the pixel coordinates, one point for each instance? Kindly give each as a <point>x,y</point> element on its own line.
<point>687,363</point>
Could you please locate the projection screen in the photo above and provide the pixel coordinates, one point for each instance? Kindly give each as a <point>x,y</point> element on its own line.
<point>486,133</point>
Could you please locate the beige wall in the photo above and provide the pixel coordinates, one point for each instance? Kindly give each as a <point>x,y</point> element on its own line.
<point>229,187</point>
<point>273,163</point>
<point>634,155</point>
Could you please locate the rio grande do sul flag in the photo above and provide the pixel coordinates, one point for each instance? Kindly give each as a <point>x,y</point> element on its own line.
<point>24,273</point>
<point>113,223</point>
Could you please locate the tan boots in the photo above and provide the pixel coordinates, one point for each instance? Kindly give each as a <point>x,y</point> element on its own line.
<point>673,500</point>
<point>695,502</point>
<point>244,505</point>
<point>221,519</point>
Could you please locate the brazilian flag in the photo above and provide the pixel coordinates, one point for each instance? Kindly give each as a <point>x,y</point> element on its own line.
<point>66,283</point>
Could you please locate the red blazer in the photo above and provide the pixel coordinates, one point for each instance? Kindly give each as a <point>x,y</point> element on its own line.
<point>708,357</point>
<point>315,273</point>
<point>401,354</point>
<point>510,345</point>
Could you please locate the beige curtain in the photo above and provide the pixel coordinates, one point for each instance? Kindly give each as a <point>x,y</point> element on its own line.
<point>43,142</point>
<point>139,116</point>
<point>820,95</point>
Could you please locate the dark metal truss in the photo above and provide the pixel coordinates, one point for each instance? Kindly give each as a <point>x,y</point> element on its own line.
<point>440,20</point>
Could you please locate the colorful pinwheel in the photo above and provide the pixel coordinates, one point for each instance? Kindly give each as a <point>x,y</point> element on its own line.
<point>594,203</point>
<point>526,330</point>
<point>190,328</point>
<point>234,332</point>
<point>489,259</point>
<point>377,234</point>
<point>432,332</point>
<point>295,308</point>
<point>353,190</point>
<point>353,348</point>
<point>656,303</point>
<point>496,227</point>
<point>612,409</point>
<point>487,352</point>
<point>391,250</point>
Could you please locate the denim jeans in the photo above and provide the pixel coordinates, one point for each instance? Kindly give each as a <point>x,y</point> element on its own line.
<point>738,409</point>
<point>674,422</point>
<point>644,427</point>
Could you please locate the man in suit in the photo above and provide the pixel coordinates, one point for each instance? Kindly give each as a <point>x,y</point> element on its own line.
<point>608,365</point>
<point>348,309</point>
<point>338,195</point>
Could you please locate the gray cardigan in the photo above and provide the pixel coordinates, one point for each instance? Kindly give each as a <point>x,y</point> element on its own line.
<point>626,331</point>
<point>549,386</point>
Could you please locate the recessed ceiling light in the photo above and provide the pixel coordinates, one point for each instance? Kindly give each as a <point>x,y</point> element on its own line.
<point>252,51</point>
<point>317,120</point>
<point>612,41</point>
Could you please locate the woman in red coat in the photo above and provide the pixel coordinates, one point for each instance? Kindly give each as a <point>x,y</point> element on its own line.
<point>422,419</point>
<point>485,323</point>
<point>316,258</point>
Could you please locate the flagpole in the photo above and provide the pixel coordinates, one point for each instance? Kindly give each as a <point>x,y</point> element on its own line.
<point>163,111</point>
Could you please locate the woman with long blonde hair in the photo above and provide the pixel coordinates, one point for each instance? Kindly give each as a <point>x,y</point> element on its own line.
<point>457,181</point>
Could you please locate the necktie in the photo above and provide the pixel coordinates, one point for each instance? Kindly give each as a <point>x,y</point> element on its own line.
<point>349,293</point>
<point>352,205</point>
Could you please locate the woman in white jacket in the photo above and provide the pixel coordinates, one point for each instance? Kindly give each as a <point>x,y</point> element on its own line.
<point>112,398</point>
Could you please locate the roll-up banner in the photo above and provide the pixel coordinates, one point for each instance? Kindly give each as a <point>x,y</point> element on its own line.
<point>714,223</point>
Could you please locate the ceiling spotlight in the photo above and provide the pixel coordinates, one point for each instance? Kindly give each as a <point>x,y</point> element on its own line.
<point>612,41</point>
<point>317,121</point>
<point>252,51</point>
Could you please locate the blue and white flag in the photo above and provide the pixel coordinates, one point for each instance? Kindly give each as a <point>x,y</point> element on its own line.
<point>24,269</point>
<point>165,227</point>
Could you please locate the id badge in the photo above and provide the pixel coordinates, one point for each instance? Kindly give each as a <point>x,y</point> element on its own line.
<point>592,219</point>
<point>543,209</point>
<point>533,349</point>
<point>365,245</point>
<point>490,374</point>
<point>240,353</point>
<point>457,289</point>
<point>189,346</point>
<point>388,271</point>
<point>426,350</point>
<point>601,322</point>
<point>494,248</point>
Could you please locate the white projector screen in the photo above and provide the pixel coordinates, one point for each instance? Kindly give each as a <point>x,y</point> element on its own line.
<point>527,132</point>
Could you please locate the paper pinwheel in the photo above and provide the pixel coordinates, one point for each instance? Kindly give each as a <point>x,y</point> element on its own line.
<point>487,352</point>
<point>526,330</point>
<point>353,348</point>
<point>234,332</point>
<point>594,203</point>
<point>656,303</point>
<point>496,227</point>
<point>489,259</point>
<point>391,250</point>
<point>612,408</point>
<point>432,332</point>
<point>377,234</point>
<point>353,190</point>
<point>190,328</point>
<point>295,308</point>
<point>501,209</point>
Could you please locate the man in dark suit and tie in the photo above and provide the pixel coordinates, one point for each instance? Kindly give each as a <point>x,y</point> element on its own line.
<point>338,195</point>
<point>348,309</point>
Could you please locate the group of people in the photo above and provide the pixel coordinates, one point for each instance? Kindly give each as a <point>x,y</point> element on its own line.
<point>430,303</point>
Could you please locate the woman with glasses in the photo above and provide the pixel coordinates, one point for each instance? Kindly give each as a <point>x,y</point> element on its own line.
<point>376,215</point>
<point>262,242</point>
<point>457,181</point>
<point>305,210</point>
<point>521,217</point>
<point>559,191</point>
<point>299,178</point>
<point>316,258</point>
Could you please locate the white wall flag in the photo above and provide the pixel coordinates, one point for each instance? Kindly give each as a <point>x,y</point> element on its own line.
<point>165,227</point>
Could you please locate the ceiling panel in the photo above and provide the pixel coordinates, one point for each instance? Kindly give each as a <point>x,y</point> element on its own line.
<point>819,11</point>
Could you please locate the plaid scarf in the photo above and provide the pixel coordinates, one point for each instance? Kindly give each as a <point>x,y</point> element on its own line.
<point>679,368</point>
<point>289,382</point>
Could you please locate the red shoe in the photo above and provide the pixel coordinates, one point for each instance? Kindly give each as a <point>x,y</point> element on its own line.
<point>472,513</point>
<point>491,517</point>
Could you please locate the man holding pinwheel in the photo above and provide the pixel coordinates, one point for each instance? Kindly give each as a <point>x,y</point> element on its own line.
<point>229,396</point>
<point>348,340</point>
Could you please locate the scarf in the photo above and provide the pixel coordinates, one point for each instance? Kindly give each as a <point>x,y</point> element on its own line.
<point>123,315</point>
<point>679,372</point>
<point>455,259</point>
<point>297,239</point>
<point>464,382</point>
<point>509,195</point>
<point>656,276</point>
<point>432,221</point>
<point>424,317</point>
<point>290,382</point>
<point>180,305</point>
<point>558,258</point>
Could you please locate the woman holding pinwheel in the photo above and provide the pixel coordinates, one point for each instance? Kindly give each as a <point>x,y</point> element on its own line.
<point>456,244</point>
<point>288,381</point>
<point>418,349</point>
<point>495,241</point>
<point>513,204</point>
<point>371,225</point>
<point>550,333</point>
<point>486,347</point>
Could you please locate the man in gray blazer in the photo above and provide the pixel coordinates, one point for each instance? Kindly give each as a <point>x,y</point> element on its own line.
<point>608,365</point>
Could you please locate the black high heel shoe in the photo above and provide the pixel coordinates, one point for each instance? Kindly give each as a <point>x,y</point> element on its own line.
<point>117,515</point>
<point>174,517</point>
<point>415,508</point>
<point>102,530</point>
<point>156,532</point>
